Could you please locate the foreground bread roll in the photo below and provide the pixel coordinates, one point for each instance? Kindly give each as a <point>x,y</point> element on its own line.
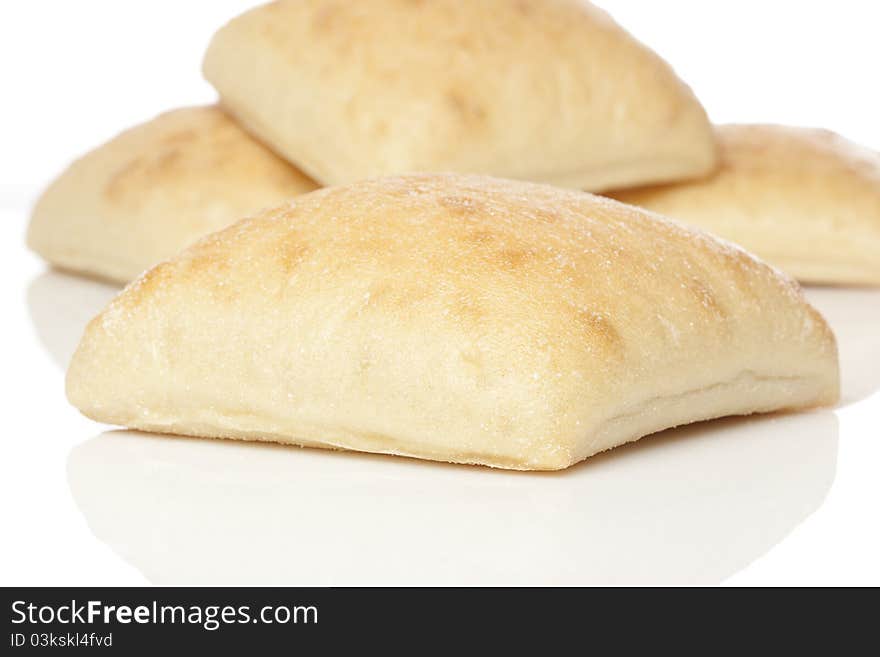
<point>545,90</point>
<point>155,189</point>
<point>454,318</point>
<point>806,200</point>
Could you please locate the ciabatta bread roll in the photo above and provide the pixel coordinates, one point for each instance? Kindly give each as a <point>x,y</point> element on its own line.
<point>806,200</point>
<point>155,189</point>
<point>455,318</point>
<point>546,90</point>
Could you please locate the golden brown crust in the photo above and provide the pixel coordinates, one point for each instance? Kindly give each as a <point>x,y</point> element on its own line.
<point>546,90</point>
<point>806,200</point>
<point>154,189</point>
<point>457,318</point>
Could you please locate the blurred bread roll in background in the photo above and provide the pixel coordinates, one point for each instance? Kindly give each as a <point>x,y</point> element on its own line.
<point>454,318</point>
<point>546,90</point>
<point>806,200</point>
<point>154,189</point>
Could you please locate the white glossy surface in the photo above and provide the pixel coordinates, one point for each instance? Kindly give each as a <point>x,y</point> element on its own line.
<point>701,504</point>
<point>692,506</point>
<point>772,500</point>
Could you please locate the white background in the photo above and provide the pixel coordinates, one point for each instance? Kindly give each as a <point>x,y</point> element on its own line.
<point>75,73</point>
